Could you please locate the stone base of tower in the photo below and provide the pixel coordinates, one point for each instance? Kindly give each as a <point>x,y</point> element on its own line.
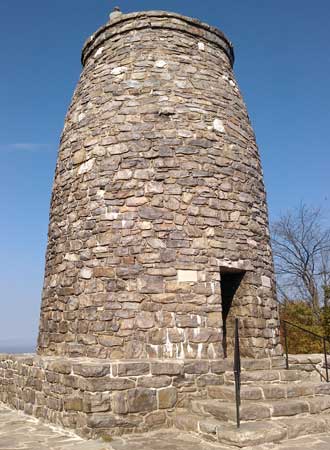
<point>100,398</point>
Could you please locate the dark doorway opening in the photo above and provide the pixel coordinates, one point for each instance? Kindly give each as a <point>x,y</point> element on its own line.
<point>230,282</point>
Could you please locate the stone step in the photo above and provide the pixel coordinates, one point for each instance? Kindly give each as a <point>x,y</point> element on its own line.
<point>262,364</point>
<point>309,362</point>
<point>272,376</point>
<point>262,409</point>
<point>269,391</point>
<point>251,434</point>
<point>272,431</point>
<point>248,364</point>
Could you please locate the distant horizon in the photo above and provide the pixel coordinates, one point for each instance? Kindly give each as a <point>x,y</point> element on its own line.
<point>17,340</point>
<point>11,346</point>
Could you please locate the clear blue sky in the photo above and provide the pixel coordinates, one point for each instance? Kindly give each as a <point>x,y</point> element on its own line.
<point>283,68</point>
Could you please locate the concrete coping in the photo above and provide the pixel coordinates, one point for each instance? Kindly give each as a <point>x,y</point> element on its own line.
<point>124,23</point>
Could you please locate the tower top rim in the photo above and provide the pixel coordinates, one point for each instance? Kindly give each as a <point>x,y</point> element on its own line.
<point>120,23</point>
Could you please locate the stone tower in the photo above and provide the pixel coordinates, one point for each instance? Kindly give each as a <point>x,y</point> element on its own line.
<point>158,234</point>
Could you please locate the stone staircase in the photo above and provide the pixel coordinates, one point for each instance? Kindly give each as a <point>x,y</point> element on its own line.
<point>276,405</point>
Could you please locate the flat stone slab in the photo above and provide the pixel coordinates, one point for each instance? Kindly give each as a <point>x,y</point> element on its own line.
<point>21,432</point>
<point>320,442</point>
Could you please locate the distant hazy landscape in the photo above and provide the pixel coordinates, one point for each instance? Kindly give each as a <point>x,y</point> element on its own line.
<point>9,346</point>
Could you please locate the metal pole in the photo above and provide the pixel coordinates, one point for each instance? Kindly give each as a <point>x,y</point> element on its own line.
<point>286,346</point>
<point>237,373</point>
<point>238,419</point>
<point>326,359</point>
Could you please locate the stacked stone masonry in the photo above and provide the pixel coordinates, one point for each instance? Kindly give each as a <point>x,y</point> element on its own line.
<point>99,398</point>
<point>158,192</point>
<point>102,399</point>
<point>158,238</point>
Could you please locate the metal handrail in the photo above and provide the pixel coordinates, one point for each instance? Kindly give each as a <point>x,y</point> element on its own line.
<point>306,331</point>
<point>325,339</point>
<point>237,373</point>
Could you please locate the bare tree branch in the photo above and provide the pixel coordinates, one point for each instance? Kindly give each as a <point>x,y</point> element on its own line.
<point>301,247</point>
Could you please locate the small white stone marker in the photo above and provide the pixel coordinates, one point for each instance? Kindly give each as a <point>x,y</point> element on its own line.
<point>99,52</point>
<point>118,70</point>
<point>218,126</point>
<point>71,257</point>
<point>86,166</point>
<point>160,64</point>
<point>266,282</point>
<point>201,46</point>
<point>86,273</point>
<point>187,276</point>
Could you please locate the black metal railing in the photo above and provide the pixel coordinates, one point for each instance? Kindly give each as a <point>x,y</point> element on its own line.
<point>237,373</point>
<point>325,340</point>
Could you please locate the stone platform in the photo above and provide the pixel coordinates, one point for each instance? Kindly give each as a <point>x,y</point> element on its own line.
<point>98,398</point>
<point>18,432</point>
<point>101,399</point>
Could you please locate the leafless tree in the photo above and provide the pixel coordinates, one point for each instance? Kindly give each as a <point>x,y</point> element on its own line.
<point>301,246</point>
<point>325,277</point>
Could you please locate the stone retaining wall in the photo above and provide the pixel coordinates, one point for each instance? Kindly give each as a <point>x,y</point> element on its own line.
<point>97,398</point>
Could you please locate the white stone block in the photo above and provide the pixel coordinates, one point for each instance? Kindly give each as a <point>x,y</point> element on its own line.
<point>87,166</point>
<point>99,52</point>
<point>118,70</point>
<point>266,282</point>
<point>187,276</point>
<point>86,273</point>
<point>71,257</point>
<point>218,126</point>
<point>160,64</point>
